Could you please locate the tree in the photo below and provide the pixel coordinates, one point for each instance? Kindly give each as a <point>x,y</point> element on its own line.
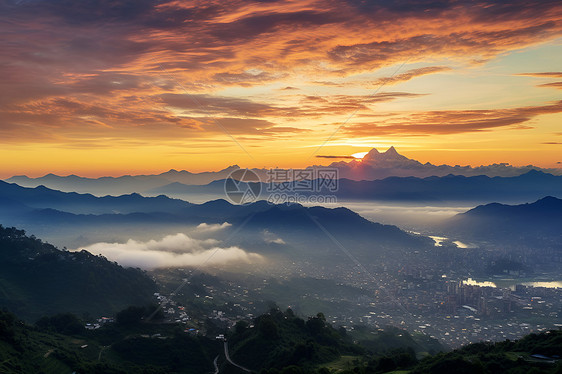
<point>130,316</point>
<point>240,327</point>
<point>63,323</point>
<point>268,328</point>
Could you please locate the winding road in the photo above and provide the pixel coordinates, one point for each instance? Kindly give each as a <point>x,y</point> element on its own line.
<point>232,362</point>
<point>216,365</point>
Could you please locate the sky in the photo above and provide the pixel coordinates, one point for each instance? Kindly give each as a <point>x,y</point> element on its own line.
<point>135,86</point>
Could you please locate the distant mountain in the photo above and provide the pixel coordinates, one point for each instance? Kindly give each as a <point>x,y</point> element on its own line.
<point>379,165</point>
<point>450,188</point>
<point>531,185</point>
<point>534,223</point>
<point>120,185</point>
<point>38,279</point>
<point>374,166</point>
<point>346,224</point>
<point>42,197</point>
<point>44,212</point>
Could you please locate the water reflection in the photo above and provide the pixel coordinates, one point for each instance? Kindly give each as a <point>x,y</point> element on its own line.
<point>511,283</point>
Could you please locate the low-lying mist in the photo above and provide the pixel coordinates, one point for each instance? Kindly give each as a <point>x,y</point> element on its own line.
<point>179,250</point>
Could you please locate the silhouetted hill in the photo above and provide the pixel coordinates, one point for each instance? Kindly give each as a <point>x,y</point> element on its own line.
<point>125,184</point>
<point>531,185</point>
<point>297,219</point>
<point>534,353</point>
<point>221,209</point>
<point>450,188</point>
<point>538,221</point>
<point>42,197</point>
<point>43,206</point>
<point>37,279</point>
<point>374,166</point>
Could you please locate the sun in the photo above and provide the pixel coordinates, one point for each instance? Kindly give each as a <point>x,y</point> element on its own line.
<point>359,155</point>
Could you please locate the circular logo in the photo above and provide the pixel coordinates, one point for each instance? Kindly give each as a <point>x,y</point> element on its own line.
<point>242,186</point>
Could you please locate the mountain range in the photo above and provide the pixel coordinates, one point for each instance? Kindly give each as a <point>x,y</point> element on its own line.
<point>374,166</point>
<point>301,227</point>
<point>450,188</point>
<point>120,185</point>
<point>42,197</point>
<point>378,165</point>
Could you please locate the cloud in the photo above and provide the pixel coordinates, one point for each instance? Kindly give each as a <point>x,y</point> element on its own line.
<point>330,156</point>
<point>557,85</point>
<point>203,104</point>
<point>410,74</point>
<point>548,74</point>
<point>74,72</point>
<point>315,106</point>
<point>172,251</point>
<point>271,238</point>
<point>483,43</point>
<point>211,227</point>
<point>246,79</point>
<point>452,122</point>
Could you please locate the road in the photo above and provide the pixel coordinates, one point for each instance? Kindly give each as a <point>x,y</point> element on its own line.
<point>216,365</point>
<point>232,362</point>
<point>103,347</point>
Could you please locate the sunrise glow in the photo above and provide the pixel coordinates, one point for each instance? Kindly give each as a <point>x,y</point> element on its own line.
<point>359,155</point>
<point>203,85</point>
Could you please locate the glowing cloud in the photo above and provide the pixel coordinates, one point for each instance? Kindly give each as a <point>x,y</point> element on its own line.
<point>172,251</point>
<point>211,227</point>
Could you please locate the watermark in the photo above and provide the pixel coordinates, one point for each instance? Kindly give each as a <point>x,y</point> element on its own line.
<point>243,186</point>
<point>283,186</point>
<point>288,198</point>
<point>317,180</point>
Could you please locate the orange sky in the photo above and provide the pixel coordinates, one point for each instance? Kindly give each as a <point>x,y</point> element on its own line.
<point>143,86</point>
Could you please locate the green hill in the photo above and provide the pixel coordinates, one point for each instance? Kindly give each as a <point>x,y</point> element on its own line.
<point>281,341</point>
<point>113,349</point>
<point>273,343</point>
<point>534,353</point>
<point>38,279</point>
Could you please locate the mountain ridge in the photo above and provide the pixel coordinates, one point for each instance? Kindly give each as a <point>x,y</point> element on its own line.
<point>526,224</point>
<point>528,186</point>
<point>374,166</point>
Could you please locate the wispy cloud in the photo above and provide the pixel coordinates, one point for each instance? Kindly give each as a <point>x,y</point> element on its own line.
<point>332,156</point>
<point>557,85</point>
<point>410,74</point>
<point>547,74</point>
<point>452,121</point>
<point>271,238</point>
